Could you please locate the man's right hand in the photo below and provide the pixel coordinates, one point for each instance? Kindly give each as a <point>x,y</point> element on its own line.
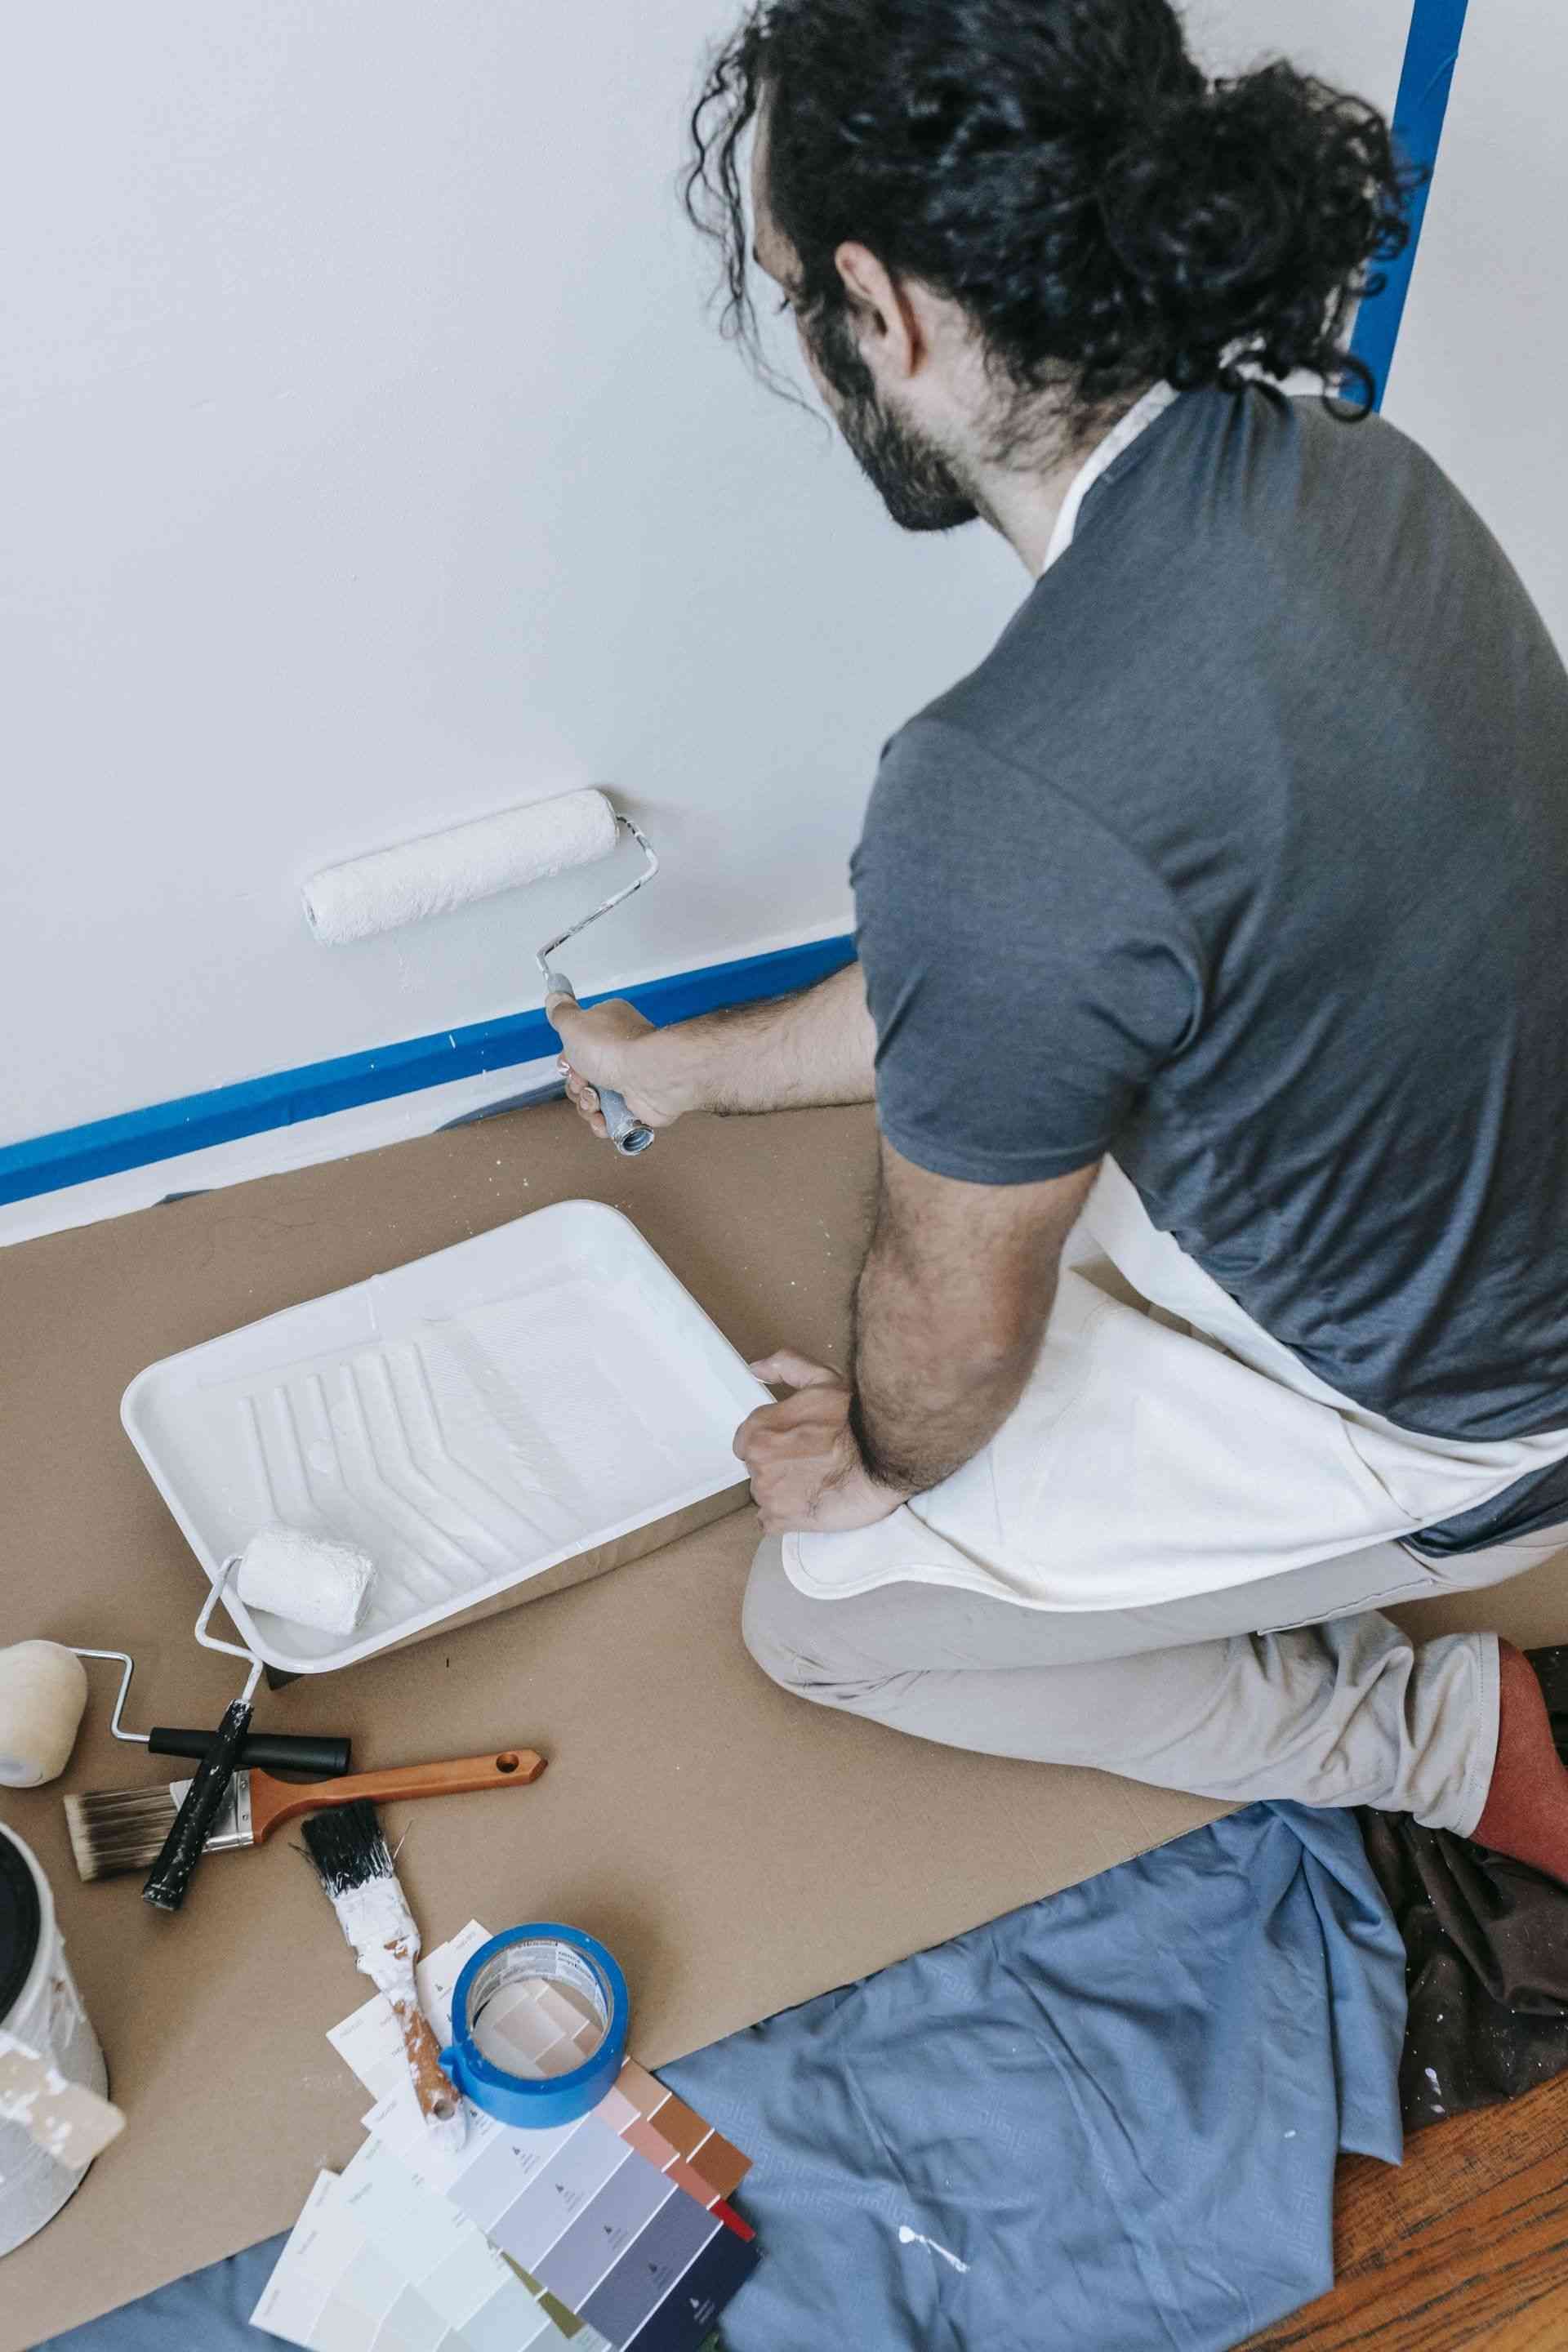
<point>613,1046</point>
<point>790,1053</point>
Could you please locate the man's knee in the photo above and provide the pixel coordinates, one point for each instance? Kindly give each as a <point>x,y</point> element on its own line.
<point>789,1636</point>
<point>766,1616</point>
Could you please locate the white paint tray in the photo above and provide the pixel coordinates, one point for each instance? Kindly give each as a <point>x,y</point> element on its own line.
<point>516,1413</point>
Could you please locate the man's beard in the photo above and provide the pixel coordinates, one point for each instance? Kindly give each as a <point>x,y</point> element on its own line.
<point>915,481</point>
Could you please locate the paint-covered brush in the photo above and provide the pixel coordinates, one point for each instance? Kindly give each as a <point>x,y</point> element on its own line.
<point>355,1864</point>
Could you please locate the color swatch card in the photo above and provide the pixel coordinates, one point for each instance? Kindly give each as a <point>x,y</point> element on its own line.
<point>369,2041</point>
<point>379,2263</point>
<point>545,2035</point>
<point>622,2217</point>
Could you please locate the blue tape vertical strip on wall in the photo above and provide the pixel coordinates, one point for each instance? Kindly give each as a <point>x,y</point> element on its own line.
<point>1430,55</point>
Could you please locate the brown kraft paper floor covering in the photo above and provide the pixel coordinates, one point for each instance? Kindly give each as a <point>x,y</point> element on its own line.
<point>737,1850</point>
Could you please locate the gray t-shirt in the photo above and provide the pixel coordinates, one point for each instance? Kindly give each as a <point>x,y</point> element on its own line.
<point>1244,856</point>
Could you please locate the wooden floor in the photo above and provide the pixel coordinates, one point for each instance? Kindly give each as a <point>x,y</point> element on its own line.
<point>1464,2249</point>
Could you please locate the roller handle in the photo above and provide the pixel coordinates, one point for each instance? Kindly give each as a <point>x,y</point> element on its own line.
<point>170,1876</point>
<point>280,1751</point>
<point>629,1135</point>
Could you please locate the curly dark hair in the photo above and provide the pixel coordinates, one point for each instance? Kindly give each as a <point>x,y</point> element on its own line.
<point>1063,170</point>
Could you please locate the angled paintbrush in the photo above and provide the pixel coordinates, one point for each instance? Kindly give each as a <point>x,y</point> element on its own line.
<point>114,1830</point>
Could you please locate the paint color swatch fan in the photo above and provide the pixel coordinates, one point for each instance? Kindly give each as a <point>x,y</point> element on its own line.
<point>444,871</point>
<point>613,2232</point>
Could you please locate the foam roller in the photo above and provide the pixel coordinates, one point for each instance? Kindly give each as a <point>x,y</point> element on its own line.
<point>43,1695</point>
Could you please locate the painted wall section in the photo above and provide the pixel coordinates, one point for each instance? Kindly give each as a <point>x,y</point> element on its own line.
<point>369,463</point>
<point>1431,57</point>
<point>1355,47</point>
<point>1483,347</point>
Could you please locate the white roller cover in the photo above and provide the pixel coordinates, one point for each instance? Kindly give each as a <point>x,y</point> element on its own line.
<point>309,1579</point>
<point>443,870</point>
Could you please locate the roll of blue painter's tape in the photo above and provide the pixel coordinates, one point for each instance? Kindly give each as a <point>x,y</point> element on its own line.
<point>543,1948</point>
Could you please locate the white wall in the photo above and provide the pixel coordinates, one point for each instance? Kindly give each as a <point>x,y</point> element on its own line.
<point>1483,347</point>
<point>1482,357</point>
<point>368,462</point>
<point>1355,46</point>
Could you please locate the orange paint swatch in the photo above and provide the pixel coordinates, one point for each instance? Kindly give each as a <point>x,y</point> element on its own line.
<point>635,2082</point>
<point>678,2124</point>
<point>721,2165</point>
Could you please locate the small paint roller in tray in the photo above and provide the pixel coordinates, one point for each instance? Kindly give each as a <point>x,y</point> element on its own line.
<point>446,870</point>
<point>309,1579</point>
<point>44,1692</point>
<point>294,1574</point>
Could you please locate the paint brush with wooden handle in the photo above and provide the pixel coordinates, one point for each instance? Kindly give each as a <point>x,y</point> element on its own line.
<point>355,1864</point>
<point>123,1829</point>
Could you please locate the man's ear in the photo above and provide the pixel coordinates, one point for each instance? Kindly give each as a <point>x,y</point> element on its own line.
<point>886,317</point>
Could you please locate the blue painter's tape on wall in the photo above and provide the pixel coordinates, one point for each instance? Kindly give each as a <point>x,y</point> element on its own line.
<point>77,1155</point>
<point>1430,55</point>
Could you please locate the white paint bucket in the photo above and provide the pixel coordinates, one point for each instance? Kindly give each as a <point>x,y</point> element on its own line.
<point>45,2013</point>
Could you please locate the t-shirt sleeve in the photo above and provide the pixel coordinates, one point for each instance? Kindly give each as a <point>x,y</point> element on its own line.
<point>1028,973</point>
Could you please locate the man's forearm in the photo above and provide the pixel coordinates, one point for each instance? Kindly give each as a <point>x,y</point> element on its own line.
<point>800,1051</point>
<point>931,1387</point>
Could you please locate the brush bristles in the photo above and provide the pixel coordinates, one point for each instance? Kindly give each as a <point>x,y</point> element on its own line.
<point>347,1846</point>
<point>118,1829</point>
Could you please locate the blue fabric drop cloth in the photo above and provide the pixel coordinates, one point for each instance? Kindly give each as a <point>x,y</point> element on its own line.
<point>1121,2109</point>
<point>1109,2120</point>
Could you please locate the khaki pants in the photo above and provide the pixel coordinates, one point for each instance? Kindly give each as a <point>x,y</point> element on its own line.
<point>1168,1563</point>
<point>1284,1687</point>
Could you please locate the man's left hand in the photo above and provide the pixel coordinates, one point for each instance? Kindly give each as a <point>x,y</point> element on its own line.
<point>807,1477</point>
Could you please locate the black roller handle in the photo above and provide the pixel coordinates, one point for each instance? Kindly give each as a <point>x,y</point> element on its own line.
<point>170,1876</point>
<point>276,1751</point>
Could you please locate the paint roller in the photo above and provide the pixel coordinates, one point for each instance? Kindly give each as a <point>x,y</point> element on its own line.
<point>309,1579</point>
<point>286,1563</point>
<point>443,871</point>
